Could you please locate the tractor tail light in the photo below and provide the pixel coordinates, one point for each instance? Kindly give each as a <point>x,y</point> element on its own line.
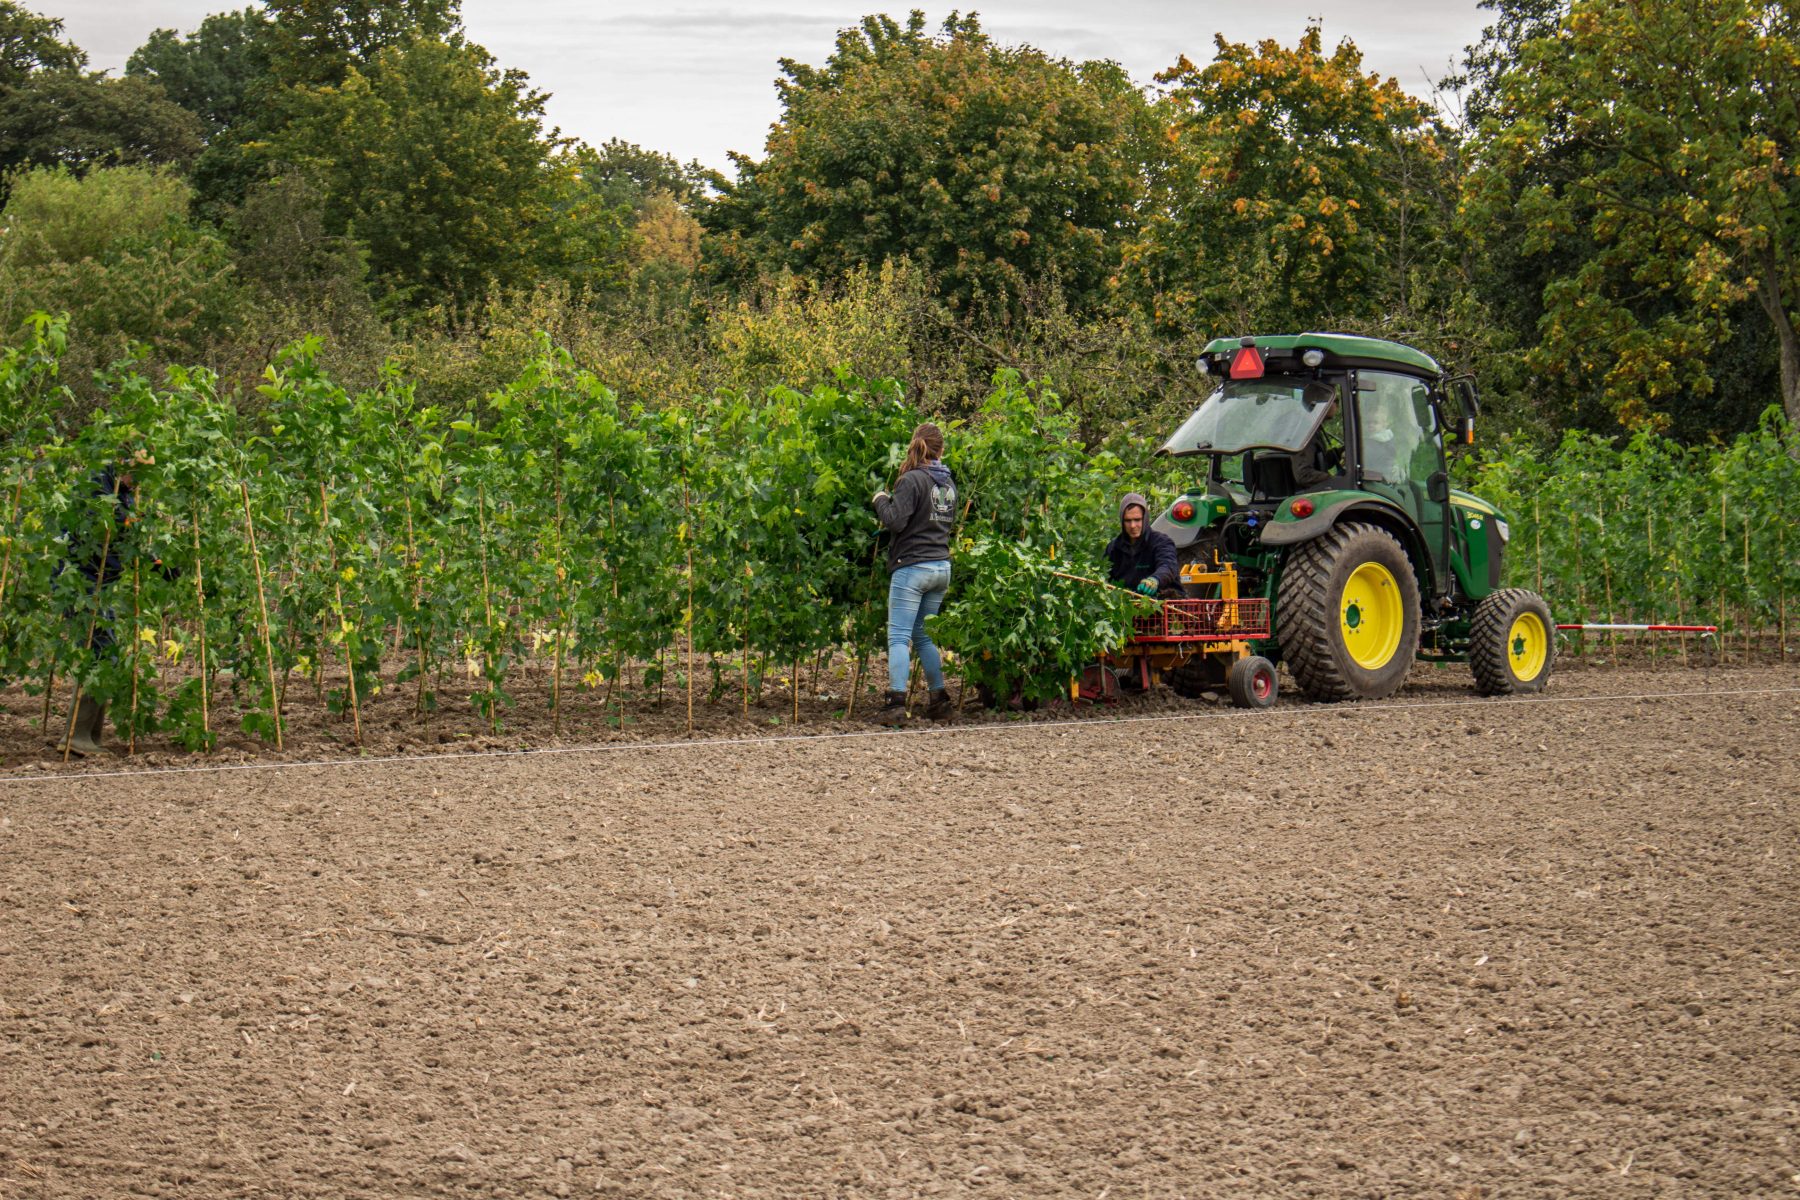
<point>1301,507</point>
<point>1183,510</point>
<point>1247,363</point>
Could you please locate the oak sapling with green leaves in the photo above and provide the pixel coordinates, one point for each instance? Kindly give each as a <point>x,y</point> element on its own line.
<point>1021,626</point>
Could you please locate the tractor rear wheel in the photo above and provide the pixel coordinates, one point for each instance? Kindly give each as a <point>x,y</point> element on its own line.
<point>1512,643</point>
<point>1347,614</point>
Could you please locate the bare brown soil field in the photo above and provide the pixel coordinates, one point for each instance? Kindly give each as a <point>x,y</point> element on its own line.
<point>1435,947</point>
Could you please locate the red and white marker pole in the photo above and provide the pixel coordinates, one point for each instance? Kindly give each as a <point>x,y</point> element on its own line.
<point>1643,628</point>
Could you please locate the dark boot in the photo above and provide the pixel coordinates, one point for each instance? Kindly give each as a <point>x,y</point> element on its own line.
<point>941,707</point>
<point>892,711</point>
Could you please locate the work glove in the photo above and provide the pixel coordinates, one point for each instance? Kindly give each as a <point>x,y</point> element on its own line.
<point>878,497</point>
<point>1147,587</point>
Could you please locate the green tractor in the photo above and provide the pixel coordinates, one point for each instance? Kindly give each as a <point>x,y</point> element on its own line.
<point>1326,496</point>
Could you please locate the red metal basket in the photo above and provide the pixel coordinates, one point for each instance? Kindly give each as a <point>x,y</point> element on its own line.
<point>1204,621</point>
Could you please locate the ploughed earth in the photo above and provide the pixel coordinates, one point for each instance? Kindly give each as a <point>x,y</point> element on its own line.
<point>1436,946</point>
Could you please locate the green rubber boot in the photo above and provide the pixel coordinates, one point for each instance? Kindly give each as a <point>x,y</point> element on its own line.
<point>84,733</point>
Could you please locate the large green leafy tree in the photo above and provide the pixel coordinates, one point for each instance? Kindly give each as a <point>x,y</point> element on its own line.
<point>316,42</point>
<point>1662,138</point>
<point>248,73</point>
<point>627,174</point>
<point>30,43</point>
<point>989,165</point>
<point>213,72</point>
<point>54,112</point>
<point>1295,189</point>
<point>437,162</point>
<point>81,120</point>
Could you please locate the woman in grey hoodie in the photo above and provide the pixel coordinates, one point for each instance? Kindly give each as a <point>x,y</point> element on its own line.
<point>920,514</point>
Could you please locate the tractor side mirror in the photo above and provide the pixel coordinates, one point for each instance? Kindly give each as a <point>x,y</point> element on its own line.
<point>1465,431</point>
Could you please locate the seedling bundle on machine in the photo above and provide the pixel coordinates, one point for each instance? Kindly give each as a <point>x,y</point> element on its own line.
<point>1325,534</point>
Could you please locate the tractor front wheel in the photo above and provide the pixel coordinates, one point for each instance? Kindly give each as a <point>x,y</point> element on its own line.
<point>1512,643</point>
<point>1347,614</point>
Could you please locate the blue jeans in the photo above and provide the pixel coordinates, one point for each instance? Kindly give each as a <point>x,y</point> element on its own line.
<point>914,593</point>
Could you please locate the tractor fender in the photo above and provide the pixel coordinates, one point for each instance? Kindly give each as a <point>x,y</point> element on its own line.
<point>1182,534</point>
<point>1287,530</point>
<point>1335,506</point>
<point>1208,510</point>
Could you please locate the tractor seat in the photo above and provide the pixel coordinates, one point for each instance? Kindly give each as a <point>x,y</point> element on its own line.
<point>1271,477</point>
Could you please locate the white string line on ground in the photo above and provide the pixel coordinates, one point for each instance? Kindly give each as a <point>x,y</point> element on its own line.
<point>1313,711</point>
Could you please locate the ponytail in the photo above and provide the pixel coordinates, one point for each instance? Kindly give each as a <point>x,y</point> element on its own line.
<point>927,445</point>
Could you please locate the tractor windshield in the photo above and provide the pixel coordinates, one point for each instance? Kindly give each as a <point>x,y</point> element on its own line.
<point>1278,412</point>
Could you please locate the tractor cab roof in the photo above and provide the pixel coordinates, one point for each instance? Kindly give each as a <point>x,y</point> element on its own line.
<point>1341,351</point>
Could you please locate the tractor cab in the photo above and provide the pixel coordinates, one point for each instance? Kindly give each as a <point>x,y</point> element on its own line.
<point>1254,428</point>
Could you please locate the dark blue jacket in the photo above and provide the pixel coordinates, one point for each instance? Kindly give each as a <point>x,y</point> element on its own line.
<point>1152,554</point>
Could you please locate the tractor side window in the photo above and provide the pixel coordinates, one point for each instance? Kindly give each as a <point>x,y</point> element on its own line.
<point>1398,429</point>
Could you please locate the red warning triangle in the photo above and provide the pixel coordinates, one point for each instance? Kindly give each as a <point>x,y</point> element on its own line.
<point>1247,364</point>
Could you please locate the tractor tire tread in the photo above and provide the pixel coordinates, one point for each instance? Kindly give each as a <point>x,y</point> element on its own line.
<point>1488,628</point>
<point>1305,616</point>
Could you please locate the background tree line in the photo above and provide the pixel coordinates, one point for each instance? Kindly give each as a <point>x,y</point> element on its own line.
<point>1595,214</point>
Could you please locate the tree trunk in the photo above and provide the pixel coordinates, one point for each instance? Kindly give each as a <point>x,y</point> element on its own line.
<point>1768,292</point>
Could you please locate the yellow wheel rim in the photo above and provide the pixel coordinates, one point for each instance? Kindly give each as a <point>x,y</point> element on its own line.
<point>1527,646</point>
<point>1371,616</point>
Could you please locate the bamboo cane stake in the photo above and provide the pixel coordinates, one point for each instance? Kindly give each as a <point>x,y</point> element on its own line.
<point>337,584</point>
<point>93,617</point>
<point>1746,608</point>
<point>855,682</point>
<point>200,597</point>
<point>487,606</point>
<point>1612,638</point>
<point>1781,586</point>
<point>1681,619</point>
<point>1100,583</point>
<point>612,533</point>
<point>1723,536</point>
<point>1650,557</point>
<point>862,654</point>
<point>1580,588</point>
<point>413,565</point>
<point>561,620</point>
<point>1537,530</point>
<point>688,618</point>
<point>262,604</point>
<point>137,654</point>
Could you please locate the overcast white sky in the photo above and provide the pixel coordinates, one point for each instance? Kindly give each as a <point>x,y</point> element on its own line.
<point>694,78</point>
